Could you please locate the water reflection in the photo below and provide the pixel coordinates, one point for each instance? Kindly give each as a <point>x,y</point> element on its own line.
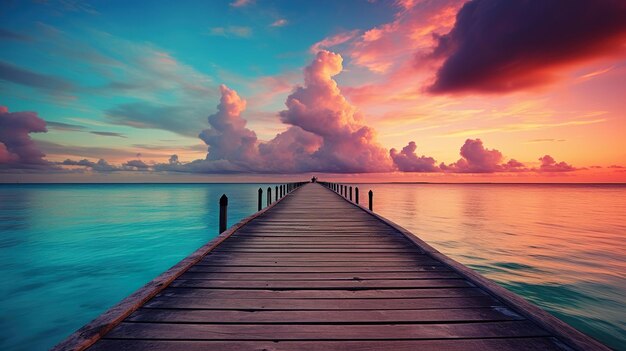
<point>560,246</point>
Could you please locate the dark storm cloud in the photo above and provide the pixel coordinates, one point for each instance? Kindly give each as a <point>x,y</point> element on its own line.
<point>500,45</point>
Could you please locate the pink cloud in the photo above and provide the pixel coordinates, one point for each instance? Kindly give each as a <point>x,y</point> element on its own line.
<point>334,40</point>
<point>228,138</point>
<point>411,34</point>
<point>241,3</point>
<point>17,149</point>
<point>290,150</point>
<point>408,161</point>
<point>326,133</point>
<point>279,23</point>
<point>548,164</point>
<point>475,158</point>
<point>320,108</point>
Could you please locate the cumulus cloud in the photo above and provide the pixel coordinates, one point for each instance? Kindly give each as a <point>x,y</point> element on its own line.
<point>320,108</point>
<point>100,166</point>
<point>173,160</point>
<point>290,151</point>
<point>17,149</point>
<point>407,160</point>
<point>498,46</point>
<point>326,133</point>
<point>228,138</point>
<point>475,158</point>
<point>548,164</point>
<point>135,165</point>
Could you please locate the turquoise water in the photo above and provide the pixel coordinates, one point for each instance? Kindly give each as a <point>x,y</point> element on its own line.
<point>68,252</point>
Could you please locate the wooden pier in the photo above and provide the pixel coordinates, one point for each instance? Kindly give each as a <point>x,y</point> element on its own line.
<point>315,272</point>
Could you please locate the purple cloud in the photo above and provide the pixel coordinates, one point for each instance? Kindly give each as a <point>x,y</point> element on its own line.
<point>135,165</point>
<point>100,166</point>
<point>408,161</point>
<point>228,138</point>
<point>319,107</point>
<point>548,164</point>
<point>17,149</point>
<point>475,158</point>
<point>498,46</point>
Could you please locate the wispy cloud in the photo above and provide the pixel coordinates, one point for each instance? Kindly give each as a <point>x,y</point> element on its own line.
<point>521,127</point>
<point>334,40</point>
<point>65,126</point>
<point>595,73</point>
<point>23,76</point>
<point>231,31</point>
<point>546,140</point>
<point>241,3</point>
<point>279,23</point>
<point>110,134</point>
<point>6,34</point>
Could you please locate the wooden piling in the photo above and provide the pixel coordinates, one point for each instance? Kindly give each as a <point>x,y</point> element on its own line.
<point>223,213</point>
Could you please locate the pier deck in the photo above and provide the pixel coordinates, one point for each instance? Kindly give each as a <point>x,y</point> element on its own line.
<point>315,272</point>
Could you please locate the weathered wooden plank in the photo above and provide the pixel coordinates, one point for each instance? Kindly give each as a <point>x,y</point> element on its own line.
<point>321,256</point>
<point>491,314</point>
<point>319,276</point>
<point>503,344</point>
<point>321,304</point>
<point>313,269</point>
<point>323,284</point>
<point>138,330</point>
<point>310,245</point>
<point>322,294</point>
<point>318,250</point>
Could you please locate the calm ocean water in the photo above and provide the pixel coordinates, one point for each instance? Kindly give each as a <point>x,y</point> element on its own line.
<point>68,252</point>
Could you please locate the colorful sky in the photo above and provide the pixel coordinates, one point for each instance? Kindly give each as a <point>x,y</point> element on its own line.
<point>412,90</point>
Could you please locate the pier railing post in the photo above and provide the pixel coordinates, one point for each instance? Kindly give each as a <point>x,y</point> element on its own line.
<point>350,193</point>
<point>276,194</point>
<point>356,194</point>
<point>371,194</point>
<point>269,196</point>
<point>223,213</point>
<point>260,199</point>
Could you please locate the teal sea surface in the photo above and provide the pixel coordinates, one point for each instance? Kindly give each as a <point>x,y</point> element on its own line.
<point>68,252</point>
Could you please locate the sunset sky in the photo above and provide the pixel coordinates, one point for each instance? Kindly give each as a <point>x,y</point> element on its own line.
<point>413,90</point>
